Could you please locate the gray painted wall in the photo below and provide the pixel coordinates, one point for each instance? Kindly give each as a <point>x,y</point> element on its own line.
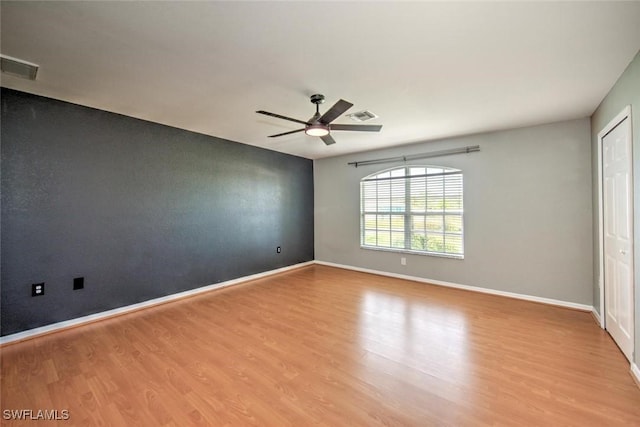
<point>528,213</point>
<point>139,209</point>
<point>625,92</point>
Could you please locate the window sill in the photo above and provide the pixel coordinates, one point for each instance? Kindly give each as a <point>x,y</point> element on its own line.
<point>406,251</point>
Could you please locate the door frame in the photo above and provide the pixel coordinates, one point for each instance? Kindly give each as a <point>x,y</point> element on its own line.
<point>624,114</point>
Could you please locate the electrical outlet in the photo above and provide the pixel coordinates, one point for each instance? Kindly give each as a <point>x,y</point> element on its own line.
<point>278,249</point>
<point>37,289</point>
<point>78,283</point>
<point>403,261</point>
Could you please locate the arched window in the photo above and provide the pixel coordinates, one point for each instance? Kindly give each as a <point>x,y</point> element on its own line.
<point>413,209</point>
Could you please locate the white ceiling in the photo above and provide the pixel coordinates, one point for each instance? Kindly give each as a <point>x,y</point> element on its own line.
<point>429,70</point>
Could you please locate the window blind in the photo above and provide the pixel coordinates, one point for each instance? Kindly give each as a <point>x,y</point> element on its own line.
<point>413,209</point>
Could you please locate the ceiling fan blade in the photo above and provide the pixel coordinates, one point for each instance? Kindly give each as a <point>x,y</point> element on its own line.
<point>266,113</point>
<point>359,128</point>
<point>286,133</point>
<point>328,139</point>
<point>336,111</point>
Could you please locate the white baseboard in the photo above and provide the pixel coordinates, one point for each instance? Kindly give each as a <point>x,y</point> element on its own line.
<point>596,317</point>
<point>31,333</point>
<point>635,373</point>
<point>566,304</point>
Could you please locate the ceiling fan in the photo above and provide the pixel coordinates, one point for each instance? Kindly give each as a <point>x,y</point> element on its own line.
<point>320,125</point>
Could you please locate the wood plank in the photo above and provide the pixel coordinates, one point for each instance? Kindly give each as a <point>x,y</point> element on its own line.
<point>326,346</point>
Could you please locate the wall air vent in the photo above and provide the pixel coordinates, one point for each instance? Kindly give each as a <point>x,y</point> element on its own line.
<point>18,67</point>
<point>362,116</point>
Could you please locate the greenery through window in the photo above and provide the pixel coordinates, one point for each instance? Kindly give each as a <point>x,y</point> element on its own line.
<point>413,209</point>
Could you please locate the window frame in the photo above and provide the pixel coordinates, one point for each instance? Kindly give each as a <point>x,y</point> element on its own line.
<point>408,214</point>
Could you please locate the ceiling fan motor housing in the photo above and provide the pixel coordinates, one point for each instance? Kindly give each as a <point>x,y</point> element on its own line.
<point>317,99</point>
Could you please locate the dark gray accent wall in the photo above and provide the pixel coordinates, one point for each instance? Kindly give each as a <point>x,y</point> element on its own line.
<point>140,210</point>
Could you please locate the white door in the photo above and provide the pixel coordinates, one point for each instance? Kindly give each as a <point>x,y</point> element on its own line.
<point>618,235</point>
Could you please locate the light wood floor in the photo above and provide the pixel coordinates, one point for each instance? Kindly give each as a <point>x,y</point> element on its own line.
<point>324,346</point>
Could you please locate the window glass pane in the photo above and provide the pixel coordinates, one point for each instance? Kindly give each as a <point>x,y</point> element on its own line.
<point>418,241</point>
<point>383,187</point>
<point>397,239</point>
<point>397,195</point>
<point>418,204</point>
<point>434,223</point>
<point>384,222</point>
<point>435,204</point>
<point>397,223</point>
<point>370,205</point>
<point>453,193</point>
<point>435,185</point>
<point>453,243</point>
<point>418,185</point>
<point>369,189</point>
<point>397,204</point>
<point>384,238</point>
<point>434,170</point>
<point>384,205</point>
<point>384,196</point>
<point>417,222</point>
<point>453,223</point>
<point>369,196</point>
<point>398,172</point>
<point>435,193</point>
<point>418,190</point>
<point>418,171</point>
<point>370,221</point>
<point>370,237</point>
<point>453,204</point>
<point>435,242</point>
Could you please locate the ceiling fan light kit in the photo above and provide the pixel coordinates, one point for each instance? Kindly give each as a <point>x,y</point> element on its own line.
<point>320,125</point>
<point>317,130</point>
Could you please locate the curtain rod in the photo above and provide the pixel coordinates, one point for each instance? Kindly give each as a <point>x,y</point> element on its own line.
<point>462,150</point>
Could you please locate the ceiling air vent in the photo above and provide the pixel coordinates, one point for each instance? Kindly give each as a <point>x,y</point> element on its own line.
<point>18,67</point>
<point>362,116</point>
